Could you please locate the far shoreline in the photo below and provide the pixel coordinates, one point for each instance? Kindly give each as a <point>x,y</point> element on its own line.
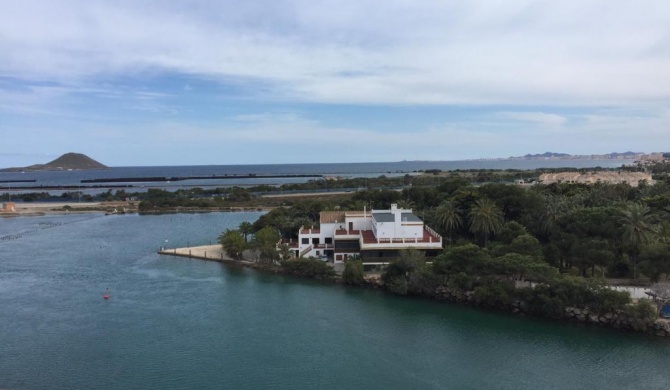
<point>37,209</point>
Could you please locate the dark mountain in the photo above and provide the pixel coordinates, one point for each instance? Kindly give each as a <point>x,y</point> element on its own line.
<point>68,161</point>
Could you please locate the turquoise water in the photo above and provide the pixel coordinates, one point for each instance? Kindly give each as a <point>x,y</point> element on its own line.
<point>175,323</point>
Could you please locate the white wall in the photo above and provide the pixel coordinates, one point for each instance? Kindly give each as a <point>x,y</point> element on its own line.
<point>360,223</point>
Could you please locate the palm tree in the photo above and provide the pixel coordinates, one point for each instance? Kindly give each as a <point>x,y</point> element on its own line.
<point>637,225</point>
<point>246,228</point>
<point>448,217</point>
<point>486,219</point>
<point>554,207</point>
<point>663,232</point>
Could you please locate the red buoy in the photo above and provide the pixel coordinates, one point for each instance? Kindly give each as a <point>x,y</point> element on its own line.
<point>106,296</point>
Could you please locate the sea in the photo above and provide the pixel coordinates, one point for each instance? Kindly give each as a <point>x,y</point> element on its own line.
<point>41,179</point>
<point>177,323</point>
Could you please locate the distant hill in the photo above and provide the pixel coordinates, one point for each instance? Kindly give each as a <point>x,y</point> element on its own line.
<point>547,155</point>
<point>565,156</point>
<point>66,162</point>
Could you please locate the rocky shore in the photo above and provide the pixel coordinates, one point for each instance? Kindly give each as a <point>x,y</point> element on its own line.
<point>618,319</point>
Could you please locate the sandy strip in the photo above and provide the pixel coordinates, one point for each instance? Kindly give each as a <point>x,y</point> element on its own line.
<point>51,208</point>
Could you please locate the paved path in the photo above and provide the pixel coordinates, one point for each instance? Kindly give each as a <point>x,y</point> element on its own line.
<point>203,252</point>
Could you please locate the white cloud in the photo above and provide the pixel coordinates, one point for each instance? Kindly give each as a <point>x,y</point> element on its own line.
<point>532,76</point>
<point>540,118</point>
<point>591,52</point>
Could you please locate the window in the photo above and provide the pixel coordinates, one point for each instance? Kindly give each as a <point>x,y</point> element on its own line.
<point>315,241</point>
<point>318,253</point>
<point>305,241</point>
<point>329,240</point>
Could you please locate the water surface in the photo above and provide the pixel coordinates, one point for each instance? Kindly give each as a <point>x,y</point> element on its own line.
<point>175,323</point>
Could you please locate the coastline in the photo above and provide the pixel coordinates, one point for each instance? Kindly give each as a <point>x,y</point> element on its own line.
<point>617,321</point>
<point>36,209</point>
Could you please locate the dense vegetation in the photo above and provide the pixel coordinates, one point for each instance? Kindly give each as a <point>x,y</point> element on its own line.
<point>603,230</point>
<point>543,249</point>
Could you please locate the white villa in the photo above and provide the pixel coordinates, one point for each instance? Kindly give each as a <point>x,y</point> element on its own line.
<point>376,236</point>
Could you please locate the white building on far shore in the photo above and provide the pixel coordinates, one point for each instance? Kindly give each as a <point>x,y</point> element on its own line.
<point>631,178</point>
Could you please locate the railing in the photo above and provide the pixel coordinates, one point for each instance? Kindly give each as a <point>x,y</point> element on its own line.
<point>432,232</point>
<point>305,251</point>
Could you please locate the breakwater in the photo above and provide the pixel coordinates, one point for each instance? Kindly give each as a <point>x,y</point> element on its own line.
<point>183,178</point>
<point>18,181</point>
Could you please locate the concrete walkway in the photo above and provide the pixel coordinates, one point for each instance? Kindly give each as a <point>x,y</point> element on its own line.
<point>203,252</point>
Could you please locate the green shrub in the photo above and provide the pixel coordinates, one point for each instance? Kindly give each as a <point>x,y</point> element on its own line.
<point>642,313</point>
<point>423,281</point>
<point>498,293</point>
<point>397,285</point>
<point>309,268</point>
<point>353,273</point>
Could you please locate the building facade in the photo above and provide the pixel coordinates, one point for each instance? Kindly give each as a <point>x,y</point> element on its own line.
<point>376,236</point>
<point>631,178</point>
<point>8,207</point>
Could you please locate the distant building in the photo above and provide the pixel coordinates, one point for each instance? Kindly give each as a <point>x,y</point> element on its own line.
<point>8,207</point>
<point>376,236</point>
<point>631,178</point>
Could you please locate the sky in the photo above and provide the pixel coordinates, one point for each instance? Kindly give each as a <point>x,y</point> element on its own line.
<point>153,82</point>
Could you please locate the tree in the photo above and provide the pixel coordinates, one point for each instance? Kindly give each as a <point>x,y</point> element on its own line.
<point>591,252</point>
<point>554,207</point>
<point>233,243</point>
<point>637,228</point>
<point>655,260</point>
<point>468,258</point>
<point>527,245</point>
<point>284,252</point>
<point>397,274</point>
<point>486,219</point>
<point>510,231</point>
<point>448,218</point>
<point>265,241</point>
<point>246,228</point>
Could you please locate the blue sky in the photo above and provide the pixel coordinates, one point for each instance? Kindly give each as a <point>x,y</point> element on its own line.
<point>141,82</point>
